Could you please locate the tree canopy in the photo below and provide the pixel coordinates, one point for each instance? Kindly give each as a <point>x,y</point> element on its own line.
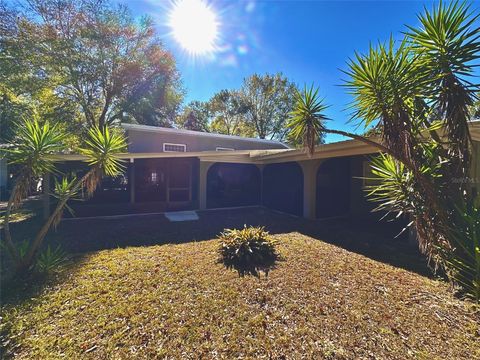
<point>85,62</point>
<point>259,108</point>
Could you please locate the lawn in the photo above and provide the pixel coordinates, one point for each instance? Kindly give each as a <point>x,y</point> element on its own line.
<point>173,299</point>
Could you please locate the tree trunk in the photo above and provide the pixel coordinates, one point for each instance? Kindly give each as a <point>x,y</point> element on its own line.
<point>27,261</point>
<point>8,237</point>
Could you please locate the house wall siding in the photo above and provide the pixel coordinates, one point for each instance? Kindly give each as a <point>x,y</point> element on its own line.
<point>144,141</point>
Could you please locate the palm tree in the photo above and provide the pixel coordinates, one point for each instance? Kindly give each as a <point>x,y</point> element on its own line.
<point>307,118</point>
<point>411,90</point>
<point>35,150</point>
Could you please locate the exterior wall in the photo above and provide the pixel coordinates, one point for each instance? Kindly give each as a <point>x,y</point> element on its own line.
<point>144,141</point>
<point>475,174</point>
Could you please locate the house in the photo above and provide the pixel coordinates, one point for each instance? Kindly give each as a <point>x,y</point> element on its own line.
<point>172,169</point>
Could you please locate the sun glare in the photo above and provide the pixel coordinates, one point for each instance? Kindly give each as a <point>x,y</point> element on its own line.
<point>194,26</point>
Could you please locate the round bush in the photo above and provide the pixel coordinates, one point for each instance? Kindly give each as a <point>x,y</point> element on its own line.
<point>248,250</point>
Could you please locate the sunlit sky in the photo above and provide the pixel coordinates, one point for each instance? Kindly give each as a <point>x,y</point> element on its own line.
<point>308,41</point>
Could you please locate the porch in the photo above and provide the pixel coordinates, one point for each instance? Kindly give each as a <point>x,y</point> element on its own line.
<point>314,189</point>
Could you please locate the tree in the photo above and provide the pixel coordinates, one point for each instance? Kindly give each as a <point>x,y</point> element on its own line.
<point>228,113</point>
<point>25,90</point>
<point>92,55</point>
<point>33,149</point>
<point>307,119</point>
<point>195,116</point>
<point>269,99</point>
<point>419,93</point>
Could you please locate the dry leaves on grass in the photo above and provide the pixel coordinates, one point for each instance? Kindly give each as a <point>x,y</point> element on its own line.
<point>176,301</point>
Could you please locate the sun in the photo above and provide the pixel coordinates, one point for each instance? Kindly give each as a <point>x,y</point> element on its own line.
<point>194,26</point>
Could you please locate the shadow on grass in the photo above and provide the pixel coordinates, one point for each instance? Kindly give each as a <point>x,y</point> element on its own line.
<point>372,239</point>
<point>24,291</point>
<point>252,267</point>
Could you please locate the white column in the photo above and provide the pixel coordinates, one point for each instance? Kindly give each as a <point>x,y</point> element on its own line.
<point>202,191</point>
<point>309,168</point>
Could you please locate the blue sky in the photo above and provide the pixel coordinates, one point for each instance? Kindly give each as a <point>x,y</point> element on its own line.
<point>308,41</point>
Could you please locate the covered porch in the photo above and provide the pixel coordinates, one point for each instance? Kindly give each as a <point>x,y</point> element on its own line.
<point>326,185</point>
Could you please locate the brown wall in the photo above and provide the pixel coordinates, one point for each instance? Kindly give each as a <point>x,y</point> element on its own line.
<point>144,141</point>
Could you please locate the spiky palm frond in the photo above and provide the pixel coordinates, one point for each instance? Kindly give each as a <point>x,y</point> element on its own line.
<point>33,148</point>
<point>101,149</point>
<point>464,259</point>
<point>64,190</point>
<point>448,44</point>
<point>385,84</point>
<point>307,118</point>
<point>397,191</point>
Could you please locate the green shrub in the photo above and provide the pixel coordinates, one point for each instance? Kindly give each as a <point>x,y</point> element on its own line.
<point>248,250</point>
<point>463,261</point>
<point>51,259</point>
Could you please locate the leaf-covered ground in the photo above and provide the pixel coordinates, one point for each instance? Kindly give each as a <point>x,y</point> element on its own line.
<point>176,301</point>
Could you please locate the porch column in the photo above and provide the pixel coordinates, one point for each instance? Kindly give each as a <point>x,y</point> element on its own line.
<point>131,180</point>
<point>202,191</point>
<point>309,168</point>
<point>46,196</point>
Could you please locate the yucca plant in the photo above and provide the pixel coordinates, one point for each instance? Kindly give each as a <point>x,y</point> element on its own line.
<point>419,93</point>
<point>307,118</point>
<point>101,150</point>
<point>34,150</point>
<point>248,250</point>
<point>463,261</point>
<point>51,259</point>
<point>448,45</point>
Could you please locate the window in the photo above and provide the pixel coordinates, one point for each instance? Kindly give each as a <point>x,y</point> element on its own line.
<point>218,148</point>
<point>167,147</point>
<point>154,177</point>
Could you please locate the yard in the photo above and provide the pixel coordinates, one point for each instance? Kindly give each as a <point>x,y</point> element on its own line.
<point>146,288</point>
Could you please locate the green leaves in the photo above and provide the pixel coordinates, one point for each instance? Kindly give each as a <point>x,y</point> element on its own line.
<point>307,118</point>
<point>464,260</point>
<point>35,146</point>
<point>384,82</point>
<point>447,40</point>
<point>51,259</point>
<point>448,45</point>
<point>102,147</point>
<point>247,250</point>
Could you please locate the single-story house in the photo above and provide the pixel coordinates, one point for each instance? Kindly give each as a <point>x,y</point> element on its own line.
<point>172,169</point>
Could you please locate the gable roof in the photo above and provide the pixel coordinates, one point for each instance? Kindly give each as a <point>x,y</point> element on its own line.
<point>183,132</point>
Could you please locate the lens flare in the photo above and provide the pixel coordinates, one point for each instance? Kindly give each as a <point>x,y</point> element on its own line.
<point>194,26</point>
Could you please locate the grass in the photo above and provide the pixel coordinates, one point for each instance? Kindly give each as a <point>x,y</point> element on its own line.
<point>174,300</point>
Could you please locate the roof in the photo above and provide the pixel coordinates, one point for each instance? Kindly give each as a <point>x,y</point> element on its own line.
<point>184,132</point>
<point>323,151</point>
